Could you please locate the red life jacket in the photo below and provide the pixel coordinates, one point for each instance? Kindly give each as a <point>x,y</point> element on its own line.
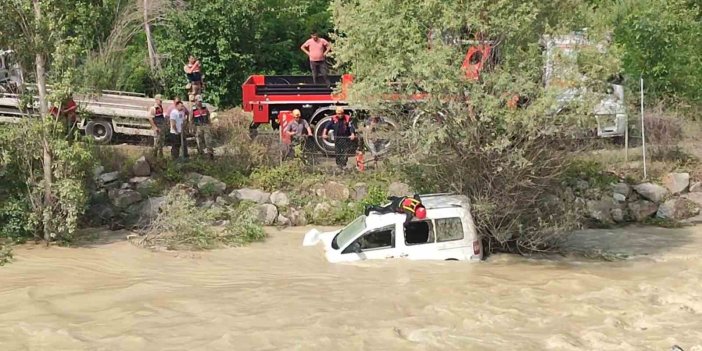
<point>347,119</point>
<point>158,114</point>
<point>409,204</point>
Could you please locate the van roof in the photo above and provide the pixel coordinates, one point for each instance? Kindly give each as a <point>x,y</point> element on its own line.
<point>436,201</point>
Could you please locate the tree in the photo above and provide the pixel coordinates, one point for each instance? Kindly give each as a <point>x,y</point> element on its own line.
<point>463,137</point>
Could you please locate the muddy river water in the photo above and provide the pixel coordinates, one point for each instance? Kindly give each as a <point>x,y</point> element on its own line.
<point>278,295</point>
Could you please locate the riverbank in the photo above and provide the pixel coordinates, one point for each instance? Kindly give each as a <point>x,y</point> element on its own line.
<point>279,295</point>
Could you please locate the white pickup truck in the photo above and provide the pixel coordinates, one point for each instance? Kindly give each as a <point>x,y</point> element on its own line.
<point>447,233</point>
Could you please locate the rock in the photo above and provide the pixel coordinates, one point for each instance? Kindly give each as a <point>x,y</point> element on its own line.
<point>100,214</point>
<point>678,208</point>
<point>676,183</point>
<point>225,200</point>
<point>297,217</point>
<point>601,210</point>
<point>125,186</point>
<point>360,191</point>
<point>617,215</point>
<point>252,195</point>
<point>694,197</point>
<point>97,171</point>
<point>141,167</point>
<point>206,204</point>
<point>622,188</point>
<point>336,191</point>
<point>642,209</point>
<point>399,189</point>
<point>582,185</point>
<point>267,214</point>
<point>143,213</point>
<point>280,199</point>
<point>650,191</point>
<point>282,220</point>
<point>106,178</point>
<point>210,186</point>
<point>186,189</point>
<point>124,197</point>
<point>696,187</point>
<point>193,178</point>
<point>138,180</point>
<point>147,187</point>
<point>619,197</point>
<point>320,213</point>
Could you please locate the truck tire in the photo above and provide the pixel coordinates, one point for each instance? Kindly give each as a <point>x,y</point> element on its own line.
<point>99,130</point>
<point>382,146</point>
<point>327,146</point>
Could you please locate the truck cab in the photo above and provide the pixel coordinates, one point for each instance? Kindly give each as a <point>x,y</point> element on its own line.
<point>447,233</point>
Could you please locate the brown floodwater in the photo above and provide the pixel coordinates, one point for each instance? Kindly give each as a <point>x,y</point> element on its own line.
<point>278,295</point>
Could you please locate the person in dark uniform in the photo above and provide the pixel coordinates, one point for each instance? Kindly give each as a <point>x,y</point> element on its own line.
<point>410,206</point>
<point>344,135</point>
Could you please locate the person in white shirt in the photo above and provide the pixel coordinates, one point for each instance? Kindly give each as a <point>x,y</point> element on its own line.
<point>178,123</point>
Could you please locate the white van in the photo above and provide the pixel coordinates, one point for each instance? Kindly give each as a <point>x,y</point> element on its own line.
<point>447,233</point>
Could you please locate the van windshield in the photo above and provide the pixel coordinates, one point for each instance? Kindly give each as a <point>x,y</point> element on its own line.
<point>347,234</point>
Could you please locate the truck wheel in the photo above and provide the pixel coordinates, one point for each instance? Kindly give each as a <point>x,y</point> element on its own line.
<point>99,130</point>
<point>326,145</point>
<point>382,145</point>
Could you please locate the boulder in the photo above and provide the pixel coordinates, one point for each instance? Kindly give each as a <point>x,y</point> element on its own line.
<point>225,200</point>
<point>187,189</point>
<point>124,197</point>
<point>97,171</point>
<point>100,214</point>
<point>642,209</point>
<point>280,199</point>
<point>694,197</point>
<point>622,188</point>
<point>193,178</point>
<point>677,209</point>
<point>360,191</point>
<point>210,186</point>
<point>138,180</point>
<point>602,210</point>
<point>650,191</point>
<point>617,215</point>
<point>399,189</point>
<point>253,195</point>
<point>321,211</point>
<point>297,217</point>
<point>676,183</point>
<point>141,167</point>
<point>696,187</point>
<point>125,186</point>
<point>146,211</point>
<point>336,191</point>
<point>267,214</point>
<point>106,178</point>
<point>146,187</point>
<point>282,220</point>
<point>619,197</point>
<point>206,204</point>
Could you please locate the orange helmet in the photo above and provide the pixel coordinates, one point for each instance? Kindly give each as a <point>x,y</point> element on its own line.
<point>420,212</point>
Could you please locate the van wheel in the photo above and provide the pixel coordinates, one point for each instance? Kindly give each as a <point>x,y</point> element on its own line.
<point>451,259</point>
<point>99,130</point>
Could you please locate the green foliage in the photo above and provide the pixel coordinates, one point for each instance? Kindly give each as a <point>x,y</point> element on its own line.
<point>287,175</point>
<point>5,252</point>
<point>591,171</point>
<point>236,38</point>
<point>243,227</point>
<point>661,40</point>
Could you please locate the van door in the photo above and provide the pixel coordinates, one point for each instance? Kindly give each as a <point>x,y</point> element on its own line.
<point>374,244</point>
<point>419,240</point>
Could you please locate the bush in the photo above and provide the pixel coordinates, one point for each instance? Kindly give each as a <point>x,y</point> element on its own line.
<point>287,175</point>
<point>5,252</point>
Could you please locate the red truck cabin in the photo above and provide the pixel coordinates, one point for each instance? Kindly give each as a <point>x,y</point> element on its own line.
<point>267,96</point>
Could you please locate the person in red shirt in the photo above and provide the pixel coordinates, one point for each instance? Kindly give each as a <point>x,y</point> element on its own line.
<point>316,49</point>
<point>193,69</point>
<point>69,114</point>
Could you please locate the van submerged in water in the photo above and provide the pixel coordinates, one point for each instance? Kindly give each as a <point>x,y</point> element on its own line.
<point>447,233</point>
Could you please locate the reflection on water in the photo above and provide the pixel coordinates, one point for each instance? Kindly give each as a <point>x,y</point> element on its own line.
<point>280,296</point>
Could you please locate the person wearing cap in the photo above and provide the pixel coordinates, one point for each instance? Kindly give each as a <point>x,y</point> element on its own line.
<point>159,125</point>
<point>203,133</point>
<point>295,130</point>
<point>344,135</point>
<point>409,206</point>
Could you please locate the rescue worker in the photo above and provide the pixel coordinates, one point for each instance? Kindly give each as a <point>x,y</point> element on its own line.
<point>178,123</point>
<point>296,130</point>
<point>202,123</point>
<point>316,49</point>
<point>344,135</point>
<point>68,115</point>
<point>410,206</point>
<point>193,70</point>
<point>159,125</point>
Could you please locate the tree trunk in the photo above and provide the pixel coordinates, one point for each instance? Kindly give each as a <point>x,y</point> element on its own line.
<point>153,60</point>
<point>44,109</point>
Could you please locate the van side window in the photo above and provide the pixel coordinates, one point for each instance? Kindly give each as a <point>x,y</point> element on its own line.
<point>449,229</point>
<point>383,238</point>
<point>419,233</point>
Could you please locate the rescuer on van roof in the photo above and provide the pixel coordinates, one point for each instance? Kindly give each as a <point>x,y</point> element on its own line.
<point>410,206</point>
